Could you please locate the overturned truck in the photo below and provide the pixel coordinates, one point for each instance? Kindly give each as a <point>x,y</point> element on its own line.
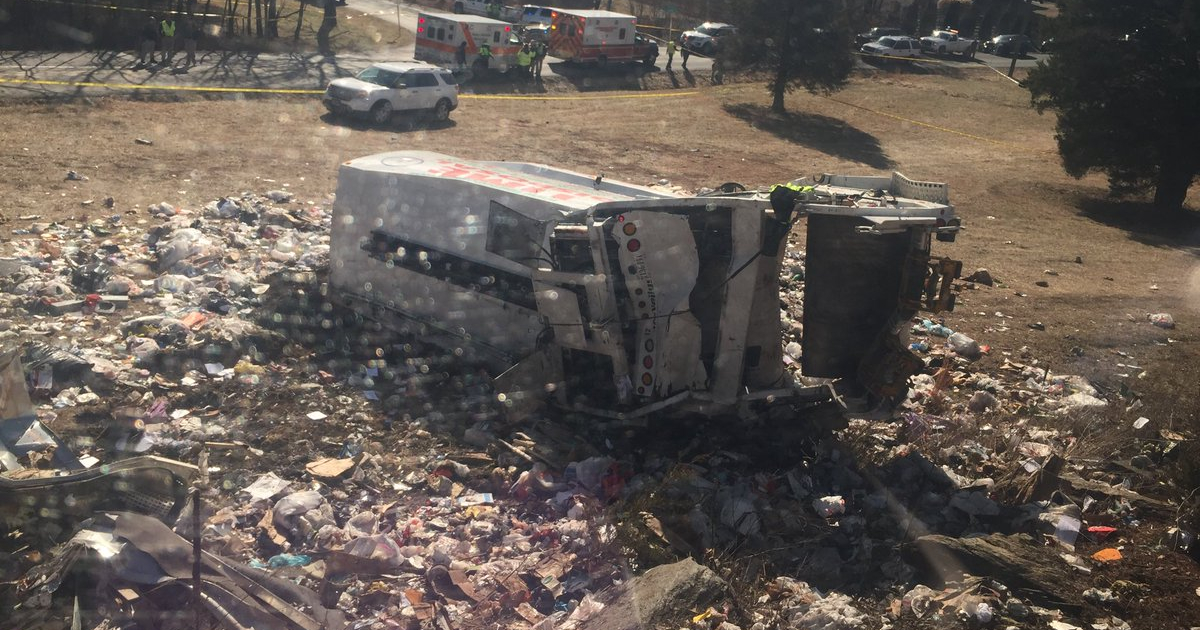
<point>624,301</point>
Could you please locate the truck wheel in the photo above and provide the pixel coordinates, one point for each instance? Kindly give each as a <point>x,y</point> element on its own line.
<point>441,111</point>
<point>649,60</point>
<point>381,112</point>
<point>941,50</point>
<point>458,7</point>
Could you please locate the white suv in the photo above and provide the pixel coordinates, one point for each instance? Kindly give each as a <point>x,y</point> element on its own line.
<point>386,88</point>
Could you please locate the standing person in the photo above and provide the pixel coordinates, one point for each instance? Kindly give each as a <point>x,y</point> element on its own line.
<point>148,37</point>
<point>485,54</point>
<point>191,36</point>
<point>685,53</point>
<point>540,51</point>
<point>670,53</point>
<point>718,71</point>
<point>524,60</point>
<point>168,39</point>
<point>460,55</point>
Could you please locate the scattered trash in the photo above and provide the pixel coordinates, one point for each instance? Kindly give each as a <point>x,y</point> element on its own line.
<point>1141,422</point>
<point>1162,320</point>
<point>1109,554</point>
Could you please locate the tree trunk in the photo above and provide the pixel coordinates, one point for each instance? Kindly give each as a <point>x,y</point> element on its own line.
<point>779,88</point>
<point>299,22</point>
<point>272,19</point>
<point>258,18</point>
<point>1171,187</point>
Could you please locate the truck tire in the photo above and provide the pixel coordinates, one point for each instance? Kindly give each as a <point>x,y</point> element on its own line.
<point>649,59</point>
<point>941,50</point>
<point>441,111</point>
<point>458,7</point>
<point>381,112</point>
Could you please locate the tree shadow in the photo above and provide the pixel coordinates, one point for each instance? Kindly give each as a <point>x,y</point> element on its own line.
<point>1144,223</point>
<point>589,77</point>
<point>401,122</point>
<point>823,133</point>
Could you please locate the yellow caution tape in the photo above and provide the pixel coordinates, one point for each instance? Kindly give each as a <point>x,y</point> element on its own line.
<point>920,59</point>
<point>936,127</point>
<point>577,98</point>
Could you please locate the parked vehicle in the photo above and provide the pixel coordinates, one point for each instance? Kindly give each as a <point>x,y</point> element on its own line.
<point>600,37</point>
<point>1048,45</point>
<point>385,88</point>
<point>533,14</point>
<point>480,7</point>
<point>706,38</point>
<point>1007,45</point>
<point>894,47</point>
<point>439,36</point>
<point>876,33</point>
<point>948,42</point>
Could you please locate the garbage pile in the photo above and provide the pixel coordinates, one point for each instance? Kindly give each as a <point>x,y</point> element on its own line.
<point>347,479</point>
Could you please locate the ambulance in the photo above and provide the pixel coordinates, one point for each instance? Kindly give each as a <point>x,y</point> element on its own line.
<point>599,37</point>
<point>439,36</point>
<point>625,302</point>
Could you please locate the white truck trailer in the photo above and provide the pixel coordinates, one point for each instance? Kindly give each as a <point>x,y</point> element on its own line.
<point>441,35</point>
<point>624,301</point>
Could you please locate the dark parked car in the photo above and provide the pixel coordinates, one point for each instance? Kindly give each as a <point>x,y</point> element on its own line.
<point>876,33</point>
<point>1007,45</point>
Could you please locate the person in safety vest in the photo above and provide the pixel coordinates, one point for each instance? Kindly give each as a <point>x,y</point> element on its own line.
<point>485,54</point>
<point>524,60</point>
<point>670,53</point>
<point>168,39</point>
<point>784,198</point>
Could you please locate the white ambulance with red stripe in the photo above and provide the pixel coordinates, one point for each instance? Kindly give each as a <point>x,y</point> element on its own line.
<point>439,36</point>
<point>599,37</point>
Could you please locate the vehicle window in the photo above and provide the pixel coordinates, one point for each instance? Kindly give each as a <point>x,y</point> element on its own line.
<point>448,78</point>
<point>571,31</point>
<point>496,37</point>
<point>369,75</point>
<point>621,34</point>
<point>424,79</point>
<point>379,76</point>
<point>887,41</point>
<point>901,46</point>
<point>706,30</point>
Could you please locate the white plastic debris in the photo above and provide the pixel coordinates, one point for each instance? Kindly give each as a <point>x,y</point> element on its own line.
<point>266,487</point>
<point>829,506</point>
<point>1162,320</point>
